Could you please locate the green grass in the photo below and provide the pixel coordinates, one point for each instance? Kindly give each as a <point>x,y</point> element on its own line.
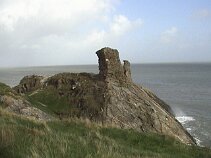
<point>4,89</point>
<point>52,101</point>
<point>67,105</point>
<point>21,137</point>
<point>71,95</point>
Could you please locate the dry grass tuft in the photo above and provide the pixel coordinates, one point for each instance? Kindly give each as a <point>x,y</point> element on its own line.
<point>6,136</point>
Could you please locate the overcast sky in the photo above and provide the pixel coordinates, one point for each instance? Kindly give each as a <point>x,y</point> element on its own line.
<point>67,32</point>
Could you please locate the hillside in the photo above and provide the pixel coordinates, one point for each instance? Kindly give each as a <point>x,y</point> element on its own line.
<point>102,115</point>
<point>21,137</point>
<point>108,98</point>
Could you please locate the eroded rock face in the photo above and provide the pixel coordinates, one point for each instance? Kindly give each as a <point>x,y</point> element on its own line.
<point>130,106</point>
<point>84,93</point>
<point>127,71</point>
<point>29,83</point>
<point>22,107</point>
<point>111,98</point>
<point>110,66</point>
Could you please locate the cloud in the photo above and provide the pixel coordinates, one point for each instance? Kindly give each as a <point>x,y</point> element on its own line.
<point>53,31</point>
<point>202,14</point>
<point>169,35</point>
<point>119,26</point>
<point>42,18</point>
<point>122,24</point>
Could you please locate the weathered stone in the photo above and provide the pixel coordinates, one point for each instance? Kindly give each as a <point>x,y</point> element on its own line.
<point>22,107</point>
<point>111,98</point>
<point>110,66</point>
<point>29,84</point>
<point>127,71</point>
<point>84,92</point>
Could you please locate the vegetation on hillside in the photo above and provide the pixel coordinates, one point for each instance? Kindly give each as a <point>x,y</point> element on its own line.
<point>70,95</point>
<point>21,137</point>
<point>4,89</point>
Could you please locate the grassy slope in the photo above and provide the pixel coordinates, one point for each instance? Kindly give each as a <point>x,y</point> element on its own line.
<point>73,97</point>
<point>50,99</point>
<point>20,137</point>
<point>4,89</point>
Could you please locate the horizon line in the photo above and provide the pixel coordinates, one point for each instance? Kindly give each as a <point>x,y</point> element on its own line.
<point>150,63</point>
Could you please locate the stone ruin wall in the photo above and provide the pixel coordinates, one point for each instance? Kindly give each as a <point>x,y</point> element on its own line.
<point>110,66</point>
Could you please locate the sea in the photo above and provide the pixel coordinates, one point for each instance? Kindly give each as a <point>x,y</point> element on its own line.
<point>185,87</point>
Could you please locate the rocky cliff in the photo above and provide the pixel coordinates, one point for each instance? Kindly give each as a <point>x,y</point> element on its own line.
<point>109,98</point>
<point>29,83</point>
<point>13,102</point>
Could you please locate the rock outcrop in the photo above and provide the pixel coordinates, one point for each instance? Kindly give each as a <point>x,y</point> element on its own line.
<point>110,66</point>
<point>15,103</point>
<point>130,106</point>
<point>22,107</point>
<point>110,98</point>
<point>29,83</point>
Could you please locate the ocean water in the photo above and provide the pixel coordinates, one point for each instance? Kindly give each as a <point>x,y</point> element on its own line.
<point>185,87</point>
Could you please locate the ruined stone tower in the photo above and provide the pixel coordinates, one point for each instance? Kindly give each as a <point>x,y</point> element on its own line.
<point>110,66</point>
<point>110,98</point>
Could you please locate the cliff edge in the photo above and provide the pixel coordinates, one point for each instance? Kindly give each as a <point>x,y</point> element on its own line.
<point>109,98</point>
